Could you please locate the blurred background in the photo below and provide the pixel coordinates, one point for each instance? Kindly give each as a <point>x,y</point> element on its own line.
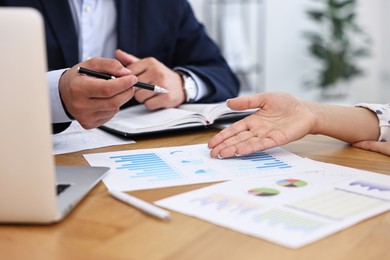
<point>335,51</point>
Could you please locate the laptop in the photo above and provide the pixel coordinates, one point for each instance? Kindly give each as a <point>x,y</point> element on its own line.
<point>29,180</point>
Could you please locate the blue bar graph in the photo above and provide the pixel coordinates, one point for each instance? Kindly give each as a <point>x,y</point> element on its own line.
<point>165,167</point>
<point>262,161</point>
<point>183,165</point>
<point>147,165</point>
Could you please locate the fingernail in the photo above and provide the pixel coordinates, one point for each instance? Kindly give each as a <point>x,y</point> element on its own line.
<point>124,70</point>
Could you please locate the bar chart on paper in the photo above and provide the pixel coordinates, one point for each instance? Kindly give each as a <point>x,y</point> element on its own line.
<point>147,166</point>
<point>182,165</point>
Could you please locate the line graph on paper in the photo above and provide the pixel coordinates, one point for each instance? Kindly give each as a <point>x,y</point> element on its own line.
<point>183,165</point>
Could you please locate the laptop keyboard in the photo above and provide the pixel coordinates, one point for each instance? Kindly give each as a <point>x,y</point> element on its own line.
<point>61,188</point>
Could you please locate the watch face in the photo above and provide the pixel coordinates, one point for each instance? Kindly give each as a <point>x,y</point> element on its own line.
<point>190,88</point>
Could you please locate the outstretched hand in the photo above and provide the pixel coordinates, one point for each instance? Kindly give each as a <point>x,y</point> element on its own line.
<point>281,118</point>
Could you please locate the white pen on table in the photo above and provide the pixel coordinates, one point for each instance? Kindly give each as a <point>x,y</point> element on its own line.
<point>141,205</point>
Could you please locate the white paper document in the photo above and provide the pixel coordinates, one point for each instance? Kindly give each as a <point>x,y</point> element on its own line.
<point>75,138</point>
<point>183,165</point>
<point>291,209</point>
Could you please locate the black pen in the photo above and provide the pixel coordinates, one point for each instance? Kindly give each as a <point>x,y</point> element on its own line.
<point>102,75</point>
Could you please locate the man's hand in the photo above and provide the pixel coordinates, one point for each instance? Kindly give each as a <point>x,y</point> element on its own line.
<point>150,70</point>
<point>92,101</point>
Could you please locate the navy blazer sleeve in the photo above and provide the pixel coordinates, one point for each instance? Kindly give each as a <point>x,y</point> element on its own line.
<point>164,29</point>
<point>169,31</point>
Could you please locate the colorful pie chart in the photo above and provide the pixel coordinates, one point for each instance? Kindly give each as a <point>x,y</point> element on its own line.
<point>291,183</point>
<point>263,192</point>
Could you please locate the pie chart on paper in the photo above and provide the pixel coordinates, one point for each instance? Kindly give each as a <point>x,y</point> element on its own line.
<point>295,183</point>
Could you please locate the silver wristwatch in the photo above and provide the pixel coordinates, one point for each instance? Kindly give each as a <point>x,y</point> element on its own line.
<point>190,88</point>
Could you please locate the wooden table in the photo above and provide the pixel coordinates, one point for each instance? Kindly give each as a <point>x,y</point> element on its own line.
<point>103,228</point>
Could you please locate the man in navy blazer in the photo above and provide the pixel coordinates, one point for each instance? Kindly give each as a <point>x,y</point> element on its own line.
<point>154,37</point>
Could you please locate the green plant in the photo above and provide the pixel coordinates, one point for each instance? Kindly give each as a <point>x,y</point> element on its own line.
<point>338,44</point>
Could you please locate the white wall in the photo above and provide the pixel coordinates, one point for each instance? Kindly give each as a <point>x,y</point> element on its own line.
<point>376,86</point>
<point>237,27</point>
<point>385,60</point>
<point>285,59</point>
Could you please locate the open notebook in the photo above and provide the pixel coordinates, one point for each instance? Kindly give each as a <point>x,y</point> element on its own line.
<point>29,181</point>
<point>137,120</point>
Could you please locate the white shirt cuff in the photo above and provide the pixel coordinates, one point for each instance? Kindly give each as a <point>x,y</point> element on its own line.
<point>58,114</point>
<point>203,89</point>
<point>382,111</point>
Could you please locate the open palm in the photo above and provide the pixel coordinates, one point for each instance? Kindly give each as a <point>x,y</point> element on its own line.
<point>281,118</point>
